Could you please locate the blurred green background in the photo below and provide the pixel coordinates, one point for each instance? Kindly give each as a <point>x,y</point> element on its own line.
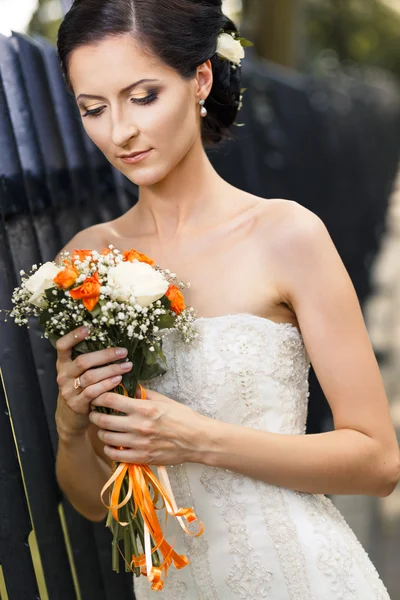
<point>296,33</point>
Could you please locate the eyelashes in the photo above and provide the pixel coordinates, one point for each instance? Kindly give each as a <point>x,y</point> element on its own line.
<point>152,97</point>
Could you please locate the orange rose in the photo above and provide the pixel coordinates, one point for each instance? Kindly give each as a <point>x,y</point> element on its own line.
<point>81,254</point>
<point>88,292</point>
<point>66,278</point>
<point>131,255</point>
<point>175,296</point>
<point>105,251</point>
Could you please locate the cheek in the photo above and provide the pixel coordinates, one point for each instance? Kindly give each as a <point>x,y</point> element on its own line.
<point>175,130</point>
<point>98,132</point>
<point>168,123</point>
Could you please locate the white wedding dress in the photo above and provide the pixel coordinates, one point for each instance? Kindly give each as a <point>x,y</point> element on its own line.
<point>260,541</point>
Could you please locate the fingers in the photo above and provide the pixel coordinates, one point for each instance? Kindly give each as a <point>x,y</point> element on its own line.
<point>93,376</point>
<point>80,402</point>
<point>84,362</point>
<point>126,405</point>
<point>113,438</point>
<point>123,444</point>
<point>65,344</point>
<point>119,423</point>
<point>94,391</point>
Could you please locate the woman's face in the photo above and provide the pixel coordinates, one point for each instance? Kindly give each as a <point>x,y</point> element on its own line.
<point>161,115</point>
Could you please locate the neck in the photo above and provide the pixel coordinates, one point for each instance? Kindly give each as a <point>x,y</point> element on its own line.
<point>187,199</point>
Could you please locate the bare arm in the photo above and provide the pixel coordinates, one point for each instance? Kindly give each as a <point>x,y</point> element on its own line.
<point>81,474</point>
<point>362,455</point>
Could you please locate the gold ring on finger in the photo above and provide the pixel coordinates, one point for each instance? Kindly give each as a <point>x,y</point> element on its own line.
<point>78,385</point>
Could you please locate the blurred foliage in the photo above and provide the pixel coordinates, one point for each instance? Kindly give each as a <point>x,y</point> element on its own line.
<point>363,31</point>
<point>42,24</point>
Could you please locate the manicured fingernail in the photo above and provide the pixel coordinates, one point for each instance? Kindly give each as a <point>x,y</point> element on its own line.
<point>85,330</point>
<point>126,366</point>
<point>121,351</point>
<point>116,379</point>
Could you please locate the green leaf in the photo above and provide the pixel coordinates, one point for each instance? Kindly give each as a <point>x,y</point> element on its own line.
<point>150,357</point>
<point>44,317</point>
<point>130,383</point>
<point>165,302</point>
<point>52,337</point>
<point>245,43</point>
<point>82,347</point>
<point>49,294</point>
<point>149,371</point>
<point>158,350</point>
<point>166,321</point>
<point>96,311</point>
<point>154,362</point>
<point>137,361</point>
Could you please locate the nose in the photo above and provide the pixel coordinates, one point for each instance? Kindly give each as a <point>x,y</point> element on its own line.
<point>123,130</point>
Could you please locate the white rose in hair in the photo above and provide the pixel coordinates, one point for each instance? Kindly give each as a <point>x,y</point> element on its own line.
<point>40,281</point>
<point>137,279</point>
<point>230,48</point>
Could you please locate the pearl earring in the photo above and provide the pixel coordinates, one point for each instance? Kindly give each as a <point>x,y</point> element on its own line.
<point>203,111</point>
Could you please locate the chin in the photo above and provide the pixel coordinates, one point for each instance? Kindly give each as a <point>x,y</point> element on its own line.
<point>144,176</point>
<point>144,179</point>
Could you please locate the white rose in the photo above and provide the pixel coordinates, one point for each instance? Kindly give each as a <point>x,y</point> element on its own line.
<point>230,48</point>
<point>41,281</point>
<point>137,279</point>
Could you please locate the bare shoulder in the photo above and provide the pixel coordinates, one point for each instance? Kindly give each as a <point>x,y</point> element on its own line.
<point>288,216</point>
<point>91,238</point>
<point>303,257</point>
<point>287,228</point>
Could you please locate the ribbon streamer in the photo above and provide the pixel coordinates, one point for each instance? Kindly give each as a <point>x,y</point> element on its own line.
<point>140,479</point>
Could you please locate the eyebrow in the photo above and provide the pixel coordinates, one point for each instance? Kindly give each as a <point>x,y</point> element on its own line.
<point>127,89</point>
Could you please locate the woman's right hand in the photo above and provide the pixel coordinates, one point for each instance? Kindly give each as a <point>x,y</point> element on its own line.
<point>73,408</point>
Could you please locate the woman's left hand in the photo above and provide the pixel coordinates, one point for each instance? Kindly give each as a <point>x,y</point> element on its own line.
<point>155,431</point>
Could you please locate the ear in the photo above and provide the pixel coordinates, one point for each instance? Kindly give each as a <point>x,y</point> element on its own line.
<point>204,80</point>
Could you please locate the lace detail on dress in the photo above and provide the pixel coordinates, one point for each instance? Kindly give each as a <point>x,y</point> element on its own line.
<point>178,591</point>
<point>334,557</point>
<point>247,576</point>
<point>197,548</point>
<point>234,370</point>
<point>359,553</point>
<point>286,541</point>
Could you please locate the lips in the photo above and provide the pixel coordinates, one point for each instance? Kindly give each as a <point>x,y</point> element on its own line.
<point>135,157</point>
<point>133,154</point>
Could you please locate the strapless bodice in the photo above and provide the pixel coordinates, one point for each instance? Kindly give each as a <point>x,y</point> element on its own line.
<point>243,369</point>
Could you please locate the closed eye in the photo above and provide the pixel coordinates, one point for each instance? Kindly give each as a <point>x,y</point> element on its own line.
<point>96,112</point>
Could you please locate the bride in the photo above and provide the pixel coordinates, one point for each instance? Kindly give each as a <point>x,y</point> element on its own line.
<point>271,295</point>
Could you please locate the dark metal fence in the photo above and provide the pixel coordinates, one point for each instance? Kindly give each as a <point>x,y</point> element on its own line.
<point>299,143</point>
<point>53,183</point>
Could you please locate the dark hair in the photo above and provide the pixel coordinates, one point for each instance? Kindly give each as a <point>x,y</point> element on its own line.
<point>182,33</point>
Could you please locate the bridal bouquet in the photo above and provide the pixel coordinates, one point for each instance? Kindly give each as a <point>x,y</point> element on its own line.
<point>126,300</point>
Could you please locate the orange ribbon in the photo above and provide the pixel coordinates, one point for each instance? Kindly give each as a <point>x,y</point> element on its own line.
<point>140,479</point>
